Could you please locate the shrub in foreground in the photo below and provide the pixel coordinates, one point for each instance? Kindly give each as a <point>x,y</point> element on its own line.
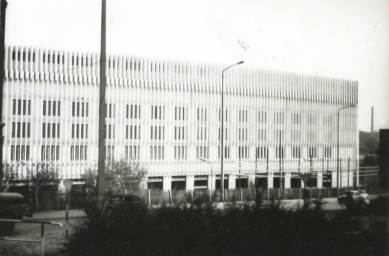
<point>249,230</point>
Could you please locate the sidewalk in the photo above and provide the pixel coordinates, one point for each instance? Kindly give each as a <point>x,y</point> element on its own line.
<point>58,214</point>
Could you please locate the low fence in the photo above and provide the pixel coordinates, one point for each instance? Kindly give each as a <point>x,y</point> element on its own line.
<point>176,197</point>
<point>30,240</point>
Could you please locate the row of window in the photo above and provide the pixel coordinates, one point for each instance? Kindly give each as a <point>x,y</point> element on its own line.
<point>81,109</point>
<point>80,131</point>
<point>52,153</point>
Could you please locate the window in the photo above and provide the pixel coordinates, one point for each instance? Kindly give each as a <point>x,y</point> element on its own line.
<point>79,131</point>
<point>132,152</point>
<point>296,152</point>
<point>225,115</point>
<point>157,152</point>
<point>280,152</point>
<point>312,119</point>
<point>110,131</point>
<point>278,136</point>
<point>50,153</point>
<point>133,132</point>
<point>261,135</point>
<point>133,111</point>
<point>180,133</point>
<point>20,152</point>
<point>279,117</point>
<point>311,152</point>
<point>201,114</point>
<point>21,107</point>
<point>261,152</point>
<point>110,110</point>
<point>180,152</point>
<point>327,152</point>
<point>110,152</point>
<point>242,116</point>
<point>202,152</point>
<point>226,134</point>
<point>242,134</point>
<point>50,130</point>
<point>158,112</point>
<point>51,108</point>
<point>21,130</point>
<point>157,132</point>
<point>261,117</point>
<point>180,113</point>
<point>295,118</point>
<point>80,109</point>
<point>201,133</point>
<point>243,152</point>
<point>226,152</point>
<point>295,136</point>
<point>311,136</point>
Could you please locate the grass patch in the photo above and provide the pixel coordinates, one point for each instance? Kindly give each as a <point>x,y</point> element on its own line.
<point>54,240</point>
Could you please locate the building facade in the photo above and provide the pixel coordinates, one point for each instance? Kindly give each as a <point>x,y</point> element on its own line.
<point>165,115</point>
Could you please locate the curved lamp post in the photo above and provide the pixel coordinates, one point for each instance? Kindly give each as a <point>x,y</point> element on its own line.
<point>222,130</point>
<point>338,177</point>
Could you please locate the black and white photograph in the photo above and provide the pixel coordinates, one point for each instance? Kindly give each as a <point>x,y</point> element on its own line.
<point>194,127</point>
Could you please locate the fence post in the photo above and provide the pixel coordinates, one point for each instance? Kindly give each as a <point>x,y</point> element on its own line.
<point>241,194</point>
<point>170,198</point>
<point>42,239</point>
<point>149,197</point>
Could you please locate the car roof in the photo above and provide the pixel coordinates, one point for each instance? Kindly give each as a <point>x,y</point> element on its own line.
<point>10,196</point>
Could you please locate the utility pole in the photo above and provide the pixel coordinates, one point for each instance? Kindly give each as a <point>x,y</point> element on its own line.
<point>2,39</point>
<point>102,110</point>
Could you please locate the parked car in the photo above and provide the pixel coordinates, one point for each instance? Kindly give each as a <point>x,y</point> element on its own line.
<point>115,200</point>
<point>355,196</point>
<point>12,206</point>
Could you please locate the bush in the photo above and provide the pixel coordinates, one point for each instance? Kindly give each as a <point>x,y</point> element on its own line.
<point>249,230</point>
<point>379,206</point>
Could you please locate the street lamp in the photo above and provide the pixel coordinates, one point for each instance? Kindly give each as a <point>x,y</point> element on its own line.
<point>222,129</point>
<point>337,146</point>
<point>208,162</point>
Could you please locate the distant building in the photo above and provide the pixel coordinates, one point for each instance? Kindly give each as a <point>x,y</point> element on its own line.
<point>165,115</point>
<point>383,152</point>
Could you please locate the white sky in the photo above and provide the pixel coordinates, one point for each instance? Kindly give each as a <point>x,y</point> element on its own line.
<point>335,38</point>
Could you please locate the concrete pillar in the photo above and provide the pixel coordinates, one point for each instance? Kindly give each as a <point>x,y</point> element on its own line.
<point>189,183</point>
<point>212,182</point>
<point>287,178</point>
<point>334,179</point>
<point>270,180</point>
<point>251,181</point>
<point>231,181</point>
<point>167,183</point>
<point>320,180</point>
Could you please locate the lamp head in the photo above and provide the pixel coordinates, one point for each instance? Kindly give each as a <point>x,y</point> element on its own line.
<point>240,62</point>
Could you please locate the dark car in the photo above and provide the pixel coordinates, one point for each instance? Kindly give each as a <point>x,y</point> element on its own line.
<point>12,206</point>
<point>354,196</point>
<point>129,199</point>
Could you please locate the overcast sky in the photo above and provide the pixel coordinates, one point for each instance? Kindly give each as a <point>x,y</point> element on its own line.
<point>336,38</point>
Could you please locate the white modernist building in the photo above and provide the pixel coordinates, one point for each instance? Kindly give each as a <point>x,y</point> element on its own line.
<point>165,115</point>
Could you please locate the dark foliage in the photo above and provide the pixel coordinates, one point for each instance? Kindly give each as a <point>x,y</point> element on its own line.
<point>247,230</point>
<point>379,206</point>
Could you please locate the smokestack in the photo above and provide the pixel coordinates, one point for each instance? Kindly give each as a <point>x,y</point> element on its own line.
<point>372,120</point>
